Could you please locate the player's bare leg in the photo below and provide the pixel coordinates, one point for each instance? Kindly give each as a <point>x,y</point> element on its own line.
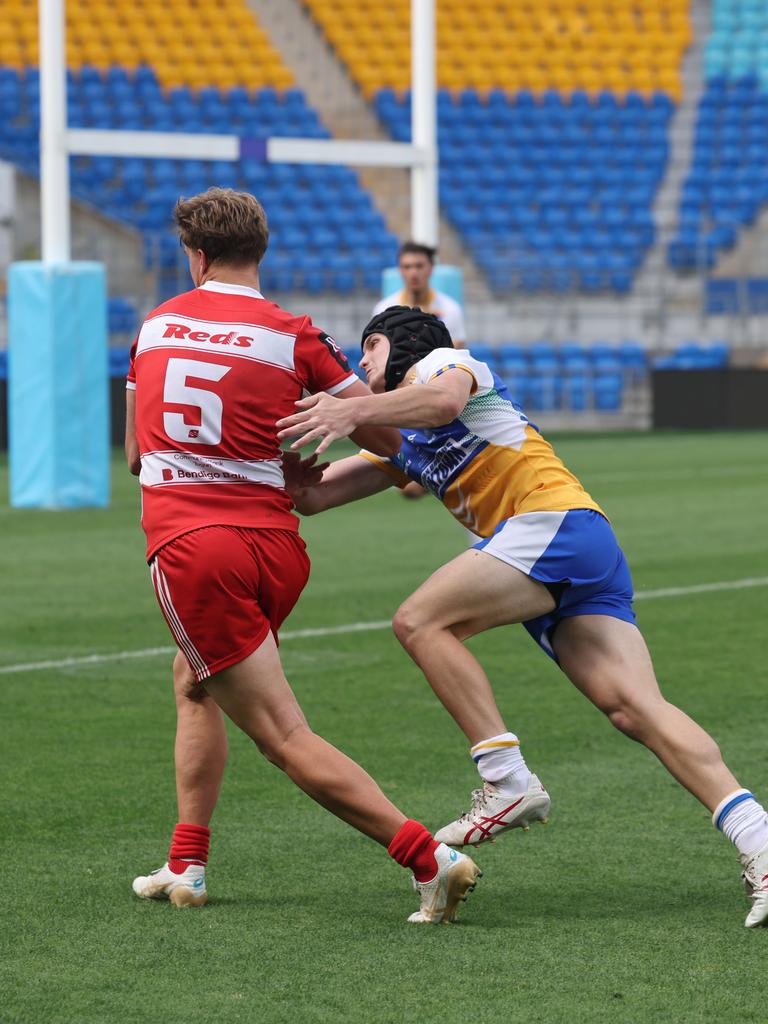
<point>256,695</point>
<point>200,751</point>
<point>607,659</point>
<point>431,625</point>
<point>200,754</point>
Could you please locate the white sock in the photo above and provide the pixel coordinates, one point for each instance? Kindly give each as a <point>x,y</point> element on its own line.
<point>743,820</point>
<point>499,760</point>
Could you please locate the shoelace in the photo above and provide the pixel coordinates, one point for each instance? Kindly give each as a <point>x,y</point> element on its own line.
<point>479,798</point>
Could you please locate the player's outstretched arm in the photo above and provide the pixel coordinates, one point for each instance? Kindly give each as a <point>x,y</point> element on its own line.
<point>381,440</point>
<point>131,444</point>
<point>341,482</point>
<point>325,418</point>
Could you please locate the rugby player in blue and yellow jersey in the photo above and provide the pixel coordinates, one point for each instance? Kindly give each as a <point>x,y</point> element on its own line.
<point>548,559</point>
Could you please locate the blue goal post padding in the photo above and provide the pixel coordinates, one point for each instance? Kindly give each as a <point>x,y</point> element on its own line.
<point>445,278</point>
<point>58,381</point>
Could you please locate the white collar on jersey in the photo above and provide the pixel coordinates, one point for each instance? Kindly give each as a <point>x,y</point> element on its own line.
<point>232,289</point>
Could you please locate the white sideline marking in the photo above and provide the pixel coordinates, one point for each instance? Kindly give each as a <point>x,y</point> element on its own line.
<point>704,588</point>
<point>356,627</point>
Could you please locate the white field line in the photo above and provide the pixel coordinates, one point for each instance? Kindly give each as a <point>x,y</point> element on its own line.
<point>355,627</point>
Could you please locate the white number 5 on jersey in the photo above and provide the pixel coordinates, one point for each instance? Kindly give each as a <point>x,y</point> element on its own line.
<point>178,392</point>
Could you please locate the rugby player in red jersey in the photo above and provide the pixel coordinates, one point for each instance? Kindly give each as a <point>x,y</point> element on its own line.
<point>211,372</point>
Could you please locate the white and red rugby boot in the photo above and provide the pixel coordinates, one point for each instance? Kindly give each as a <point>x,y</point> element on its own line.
<point>493,812</point>
<point>456,877</point>
<point>184,890</point>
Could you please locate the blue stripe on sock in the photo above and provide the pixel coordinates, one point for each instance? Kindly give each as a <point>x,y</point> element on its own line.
<point>729,807</point>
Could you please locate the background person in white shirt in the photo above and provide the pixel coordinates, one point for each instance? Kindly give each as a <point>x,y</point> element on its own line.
<point>416,263</point>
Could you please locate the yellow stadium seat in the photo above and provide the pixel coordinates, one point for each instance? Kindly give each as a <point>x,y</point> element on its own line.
<point>27,30</point>
<point>284,78</point>
<point>451,77</point>
<point>668,79</point>
<point>94,52</point>
<point>124,53</point>
<point>9,45</point>
<point>588,78</point>
<point>535,78</point>
<point>150,53</point>
<point>563,76</point>
<point>643,82</point>
<point>509,79</point>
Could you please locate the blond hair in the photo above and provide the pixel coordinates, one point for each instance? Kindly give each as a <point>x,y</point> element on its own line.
<point>227,225</point>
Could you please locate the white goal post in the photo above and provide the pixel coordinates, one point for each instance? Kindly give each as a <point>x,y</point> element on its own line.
<point>58,142</point>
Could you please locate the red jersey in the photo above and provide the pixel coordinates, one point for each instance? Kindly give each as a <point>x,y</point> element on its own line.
<point>214,369</point>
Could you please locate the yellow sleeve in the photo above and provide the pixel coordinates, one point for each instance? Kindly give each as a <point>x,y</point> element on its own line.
<point>457,366</point>
<point>400,479</point>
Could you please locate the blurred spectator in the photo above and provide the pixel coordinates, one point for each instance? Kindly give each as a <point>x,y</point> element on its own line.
<point>416,263</point>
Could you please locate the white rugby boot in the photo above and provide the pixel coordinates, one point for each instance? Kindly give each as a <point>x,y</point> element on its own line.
<point>755,881</point>
<point>456,876</point>
<point>492,812</point>
<point>185,890</point>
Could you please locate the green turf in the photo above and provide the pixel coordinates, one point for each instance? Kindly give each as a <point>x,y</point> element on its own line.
<point>626,908</point>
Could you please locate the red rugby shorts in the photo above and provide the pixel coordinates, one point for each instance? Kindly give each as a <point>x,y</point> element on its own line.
<point>223,588</point>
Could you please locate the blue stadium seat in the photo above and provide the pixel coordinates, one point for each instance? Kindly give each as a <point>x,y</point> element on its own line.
<point>119,359</point>
<point>540,166</point>
<point>608,392</point>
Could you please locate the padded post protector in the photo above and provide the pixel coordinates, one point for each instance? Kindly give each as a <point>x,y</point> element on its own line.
<point>58,387</point>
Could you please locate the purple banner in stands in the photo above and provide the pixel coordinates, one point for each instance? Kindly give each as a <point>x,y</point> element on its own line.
<point>253,149</point>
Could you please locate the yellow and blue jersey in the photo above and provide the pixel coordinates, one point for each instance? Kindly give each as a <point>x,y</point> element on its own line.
<point>489,463</point>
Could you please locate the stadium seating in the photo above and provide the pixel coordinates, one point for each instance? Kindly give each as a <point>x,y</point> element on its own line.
<point>553,120</point>
<point>563,377</point>
<point>218,45</point>
<point>728,180</point>
<point>530,44</point>
<point>551,194</point>
<point>743,296</point>
<point>693,356</point>
<point>127,70</point>
<point>122,315</point>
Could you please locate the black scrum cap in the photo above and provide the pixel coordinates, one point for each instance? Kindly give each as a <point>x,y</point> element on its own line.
<point>412,335</point>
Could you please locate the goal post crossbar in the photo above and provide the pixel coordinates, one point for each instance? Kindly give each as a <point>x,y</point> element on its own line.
<point>274,149</point>
<point>58,142</point>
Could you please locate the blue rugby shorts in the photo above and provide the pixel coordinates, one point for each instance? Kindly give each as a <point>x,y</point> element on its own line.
<point>576,550</point>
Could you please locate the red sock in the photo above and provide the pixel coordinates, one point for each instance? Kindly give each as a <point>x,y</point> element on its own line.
<point>414,848</point>
<point>189,845</point>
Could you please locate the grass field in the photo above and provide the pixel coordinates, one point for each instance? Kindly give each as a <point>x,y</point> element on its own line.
<point>626,908</point>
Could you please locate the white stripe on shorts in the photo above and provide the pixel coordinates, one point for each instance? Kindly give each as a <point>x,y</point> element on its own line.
<point>180,635</point>
<point>195,658</point>
<point>523,539</point>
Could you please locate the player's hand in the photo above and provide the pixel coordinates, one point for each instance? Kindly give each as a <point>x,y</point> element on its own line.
<point>300,474</point>
<point>320,417</point>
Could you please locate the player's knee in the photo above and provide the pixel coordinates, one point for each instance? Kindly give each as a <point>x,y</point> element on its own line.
<point>407,624</point>
<point>185,686</point>
<point>624,721</point>
<point>280,749</point>
<point>633,719</point>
